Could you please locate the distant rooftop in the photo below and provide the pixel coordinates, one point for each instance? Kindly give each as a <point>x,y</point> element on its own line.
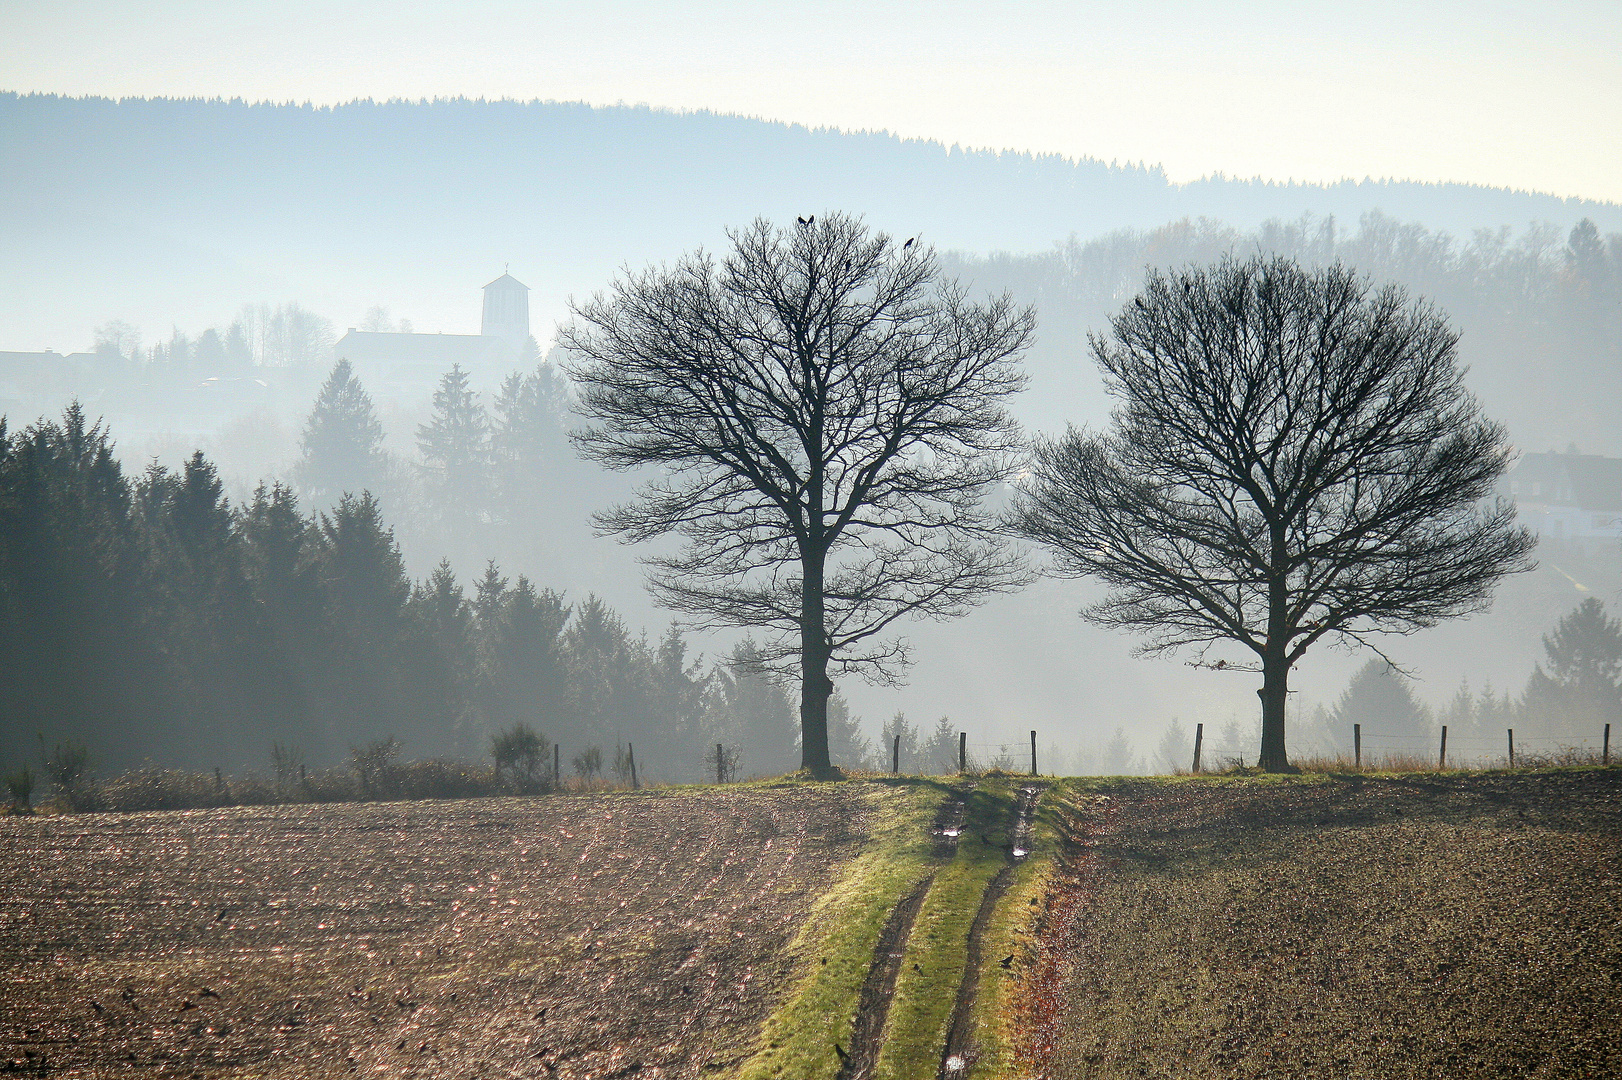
<point>1586,481</point>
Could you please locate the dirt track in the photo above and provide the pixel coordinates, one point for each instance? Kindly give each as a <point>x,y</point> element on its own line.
<point>1413,927</point>
<point>635,935</point>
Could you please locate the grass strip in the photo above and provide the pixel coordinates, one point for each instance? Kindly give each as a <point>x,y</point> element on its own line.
<point>921,1009</point>
<point>835,947</point>
<point>1011,932</point>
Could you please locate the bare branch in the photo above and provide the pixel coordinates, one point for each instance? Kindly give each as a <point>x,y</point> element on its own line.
<point>828,417</point>
<point>1294,457</point>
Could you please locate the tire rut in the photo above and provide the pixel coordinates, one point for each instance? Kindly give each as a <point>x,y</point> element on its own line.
<point>873,1007</point>
<point>960,1054</point>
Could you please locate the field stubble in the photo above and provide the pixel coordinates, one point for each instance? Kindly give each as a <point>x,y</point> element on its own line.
<point>569,936</point>
<point>1404,926</point>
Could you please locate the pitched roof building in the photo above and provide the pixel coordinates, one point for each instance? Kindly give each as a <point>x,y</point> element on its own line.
<point>407,364</point>
<point>1569,496</point>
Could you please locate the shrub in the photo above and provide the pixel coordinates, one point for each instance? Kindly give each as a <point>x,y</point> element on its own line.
<point>588,763</point>
<point>68,765</point>
<point>288,761</point>
<point>520,747</point>
<point>20,786</point>
<point>153,788</point>
<point>374,767</point>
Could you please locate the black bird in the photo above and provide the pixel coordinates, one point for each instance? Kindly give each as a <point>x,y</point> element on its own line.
<point>187,1004</point>
<point>908,244</point>
<point>206,992</point>
<point>840,1050</point>
<point>94,1004</point>
<point>1007,961</point>
<point>541,1015</point>
<point>812,220</point>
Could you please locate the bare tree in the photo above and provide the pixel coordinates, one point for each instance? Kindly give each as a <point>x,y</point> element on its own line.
<point>1293,458</point>
<point>828,415</point>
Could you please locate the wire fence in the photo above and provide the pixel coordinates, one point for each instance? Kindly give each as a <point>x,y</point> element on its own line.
<point>1439,749</point>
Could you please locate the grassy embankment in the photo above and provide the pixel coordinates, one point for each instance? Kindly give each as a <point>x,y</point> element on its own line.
<point>837,946</point>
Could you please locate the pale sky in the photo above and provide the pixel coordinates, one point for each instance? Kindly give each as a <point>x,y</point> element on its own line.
<point>1522,95</point>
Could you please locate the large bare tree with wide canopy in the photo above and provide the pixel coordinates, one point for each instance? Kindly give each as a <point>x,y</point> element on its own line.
<point>827,415</point>
<point>1293,458</point>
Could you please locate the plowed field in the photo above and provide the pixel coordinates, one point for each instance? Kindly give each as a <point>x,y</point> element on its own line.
<point>569,936</point>
<point>1357,927</point>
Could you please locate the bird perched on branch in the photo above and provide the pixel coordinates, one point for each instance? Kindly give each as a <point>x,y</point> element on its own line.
<point>909,243</point>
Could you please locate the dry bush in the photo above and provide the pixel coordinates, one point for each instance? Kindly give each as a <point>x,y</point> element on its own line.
<point>153,788</point>
<point>1559,757</point>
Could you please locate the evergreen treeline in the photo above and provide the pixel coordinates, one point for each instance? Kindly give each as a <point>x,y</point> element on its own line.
<point>1567,700</point>
<point>147,617</point>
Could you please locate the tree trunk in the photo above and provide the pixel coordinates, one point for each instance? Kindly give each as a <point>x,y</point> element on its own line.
<point>1275,667</point>
<point>1274,692</point>
<point>815,686</point>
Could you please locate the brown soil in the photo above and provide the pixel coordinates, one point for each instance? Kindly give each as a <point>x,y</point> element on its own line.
<point>587,936</point>
<point>1459,926</point>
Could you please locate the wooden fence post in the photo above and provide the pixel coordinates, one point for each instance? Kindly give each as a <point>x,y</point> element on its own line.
<point>963,751</point>
<point>1512,748</point>
<point>1033,753</point>
<point>895,756</point>
<point>1199,737</point>
<point>1357,744</point>
<point>557,765</point>
<point>720,764</point>
<point>1605,754</point>
<point>630,752</point>
<point>1442,761</point>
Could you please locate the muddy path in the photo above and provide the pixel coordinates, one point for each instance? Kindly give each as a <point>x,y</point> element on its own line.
<point>873,1009</point>
<point>879,986</point>
<point>959,1055</point>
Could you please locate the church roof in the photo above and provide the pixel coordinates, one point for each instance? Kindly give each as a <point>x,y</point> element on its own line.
<point>507,281</point>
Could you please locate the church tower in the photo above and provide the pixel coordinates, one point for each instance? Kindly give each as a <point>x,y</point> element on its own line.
<point>506,311</point>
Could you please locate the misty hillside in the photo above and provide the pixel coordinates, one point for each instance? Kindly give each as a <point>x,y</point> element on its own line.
<point>165,212</point>
<point>214,224</point>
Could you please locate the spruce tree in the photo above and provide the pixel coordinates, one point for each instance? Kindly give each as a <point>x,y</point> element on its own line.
<point>440,667</point>
<point>1578,688</point>
<point>366,592</point>
<point>455,448</point>
<point>281,556</point>
<point>341,450</point>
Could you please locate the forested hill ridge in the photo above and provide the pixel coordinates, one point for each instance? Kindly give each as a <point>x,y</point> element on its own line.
<point>181,210</point>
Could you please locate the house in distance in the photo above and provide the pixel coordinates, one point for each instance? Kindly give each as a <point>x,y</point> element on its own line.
<point>409,365</point>
<point>1570,496</point>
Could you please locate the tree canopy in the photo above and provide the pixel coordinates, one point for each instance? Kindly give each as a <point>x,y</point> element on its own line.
<point>827,415</point>
<point>1293,458</point>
